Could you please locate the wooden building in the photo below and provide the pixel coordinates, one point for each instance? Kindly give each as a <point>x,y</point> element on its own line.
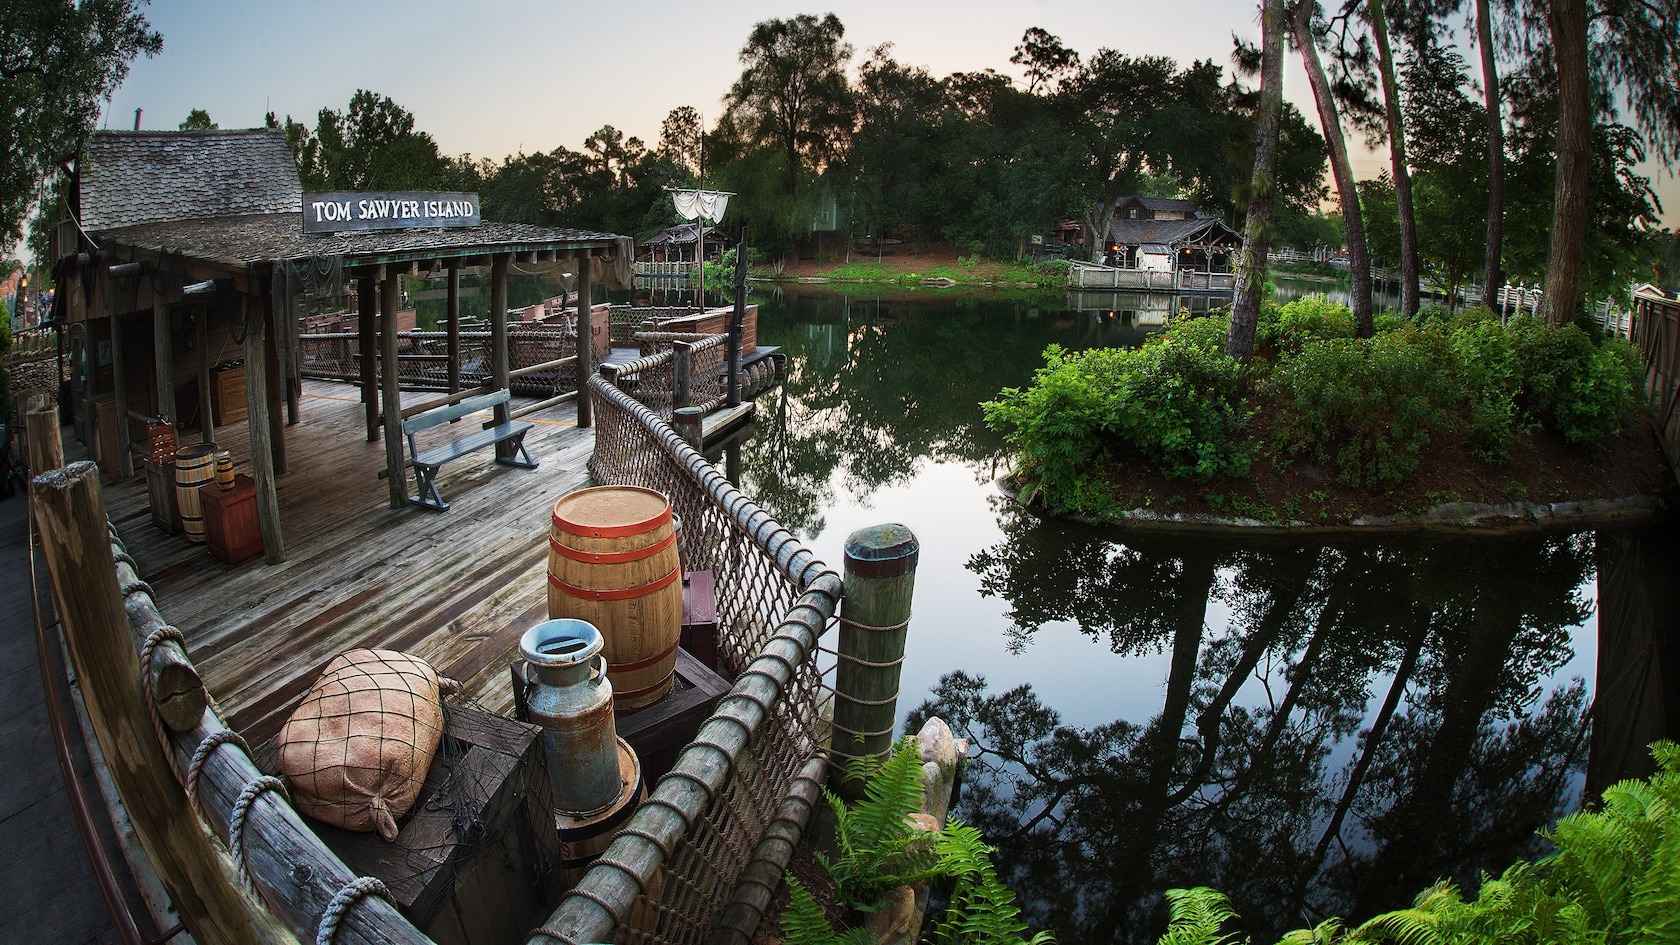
<point>1157,234</point>
<point>187,253</point>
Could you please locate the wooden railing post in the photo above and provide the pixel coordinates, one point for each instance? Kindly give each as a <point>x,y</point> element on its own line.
<point>75,543</point>
<point>682,373</point>
<point>735,327</point>
<point>880,577</point>
<point>46,446</point>
<point>686,421</point>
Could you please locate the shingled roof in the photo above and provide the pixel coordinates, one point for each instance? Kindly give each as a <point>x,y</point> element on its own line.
<point>141,177</point>
<point>1173,233</point>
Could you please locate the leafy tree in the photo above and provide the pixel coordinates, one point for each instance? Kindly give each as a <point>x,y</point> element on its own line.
<point>680,137</point>
<point>1251,264</point>
<point>373,145</point>
<point>1306,35</point>
<point>1045,58</point>
<point>198,120</point>
<point>58,60</point>
<point>792,93</point>
<point>1112,102</point>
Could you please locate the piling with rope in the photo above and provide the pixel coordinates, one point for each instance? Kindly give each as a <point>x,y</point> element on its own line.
<point>880,578</point>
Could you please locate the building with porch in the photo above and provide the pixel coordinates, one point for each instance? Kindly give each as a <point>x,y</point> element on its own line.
<point>185,268</point>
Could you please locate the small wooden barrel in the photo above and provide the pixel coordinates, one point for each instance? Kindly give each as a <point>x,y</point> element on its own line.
<point>224,469</point>
<point>612,560</point>
<point>194,466</point>
<point>583,838</point>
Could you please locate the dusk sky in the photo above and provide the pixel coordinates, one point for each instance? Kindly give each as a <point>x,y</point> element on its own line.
<point>496,78</point>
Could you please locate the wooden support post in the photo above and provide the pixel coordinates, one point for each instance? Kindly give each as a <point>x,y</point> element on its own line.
<point>390,394</point>
<point>46,446</point>
<point>687,421</point>
<point>119,402</point>
<point>258,429</point>
<point>682,373</point>
<point>586,341</point>
<point>76,545</point>
<point>367,305</point>
<point>880,575</point>
<point>206,422</point>
<point>499,369</point>
<point>163,356</point>
<point>264,309</point>
<point>452,316</point>
<point>736,318</point>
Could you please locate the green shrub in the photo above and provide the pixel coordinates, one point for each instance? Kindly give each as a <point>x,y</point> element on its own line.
<point>1490,376</point>
<point>1175,401</point>
<point>1366,407</point>
<point>1614,879</point>
<point>1581,390</point>
<point>1283,330</point>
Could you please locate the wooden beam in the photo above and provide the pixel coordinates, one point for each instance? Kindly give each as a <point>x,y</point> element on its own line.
<point>258,428</point>
<point>271,353</point>
<point>125,463</point>
<point>367,304</point>
<point>207,423</point>
<point>163,356</point>
<point>585,343</point>
<point>390,395</point>
<point>499,330</point>
<point>452,318</point>
<point>76,545</point>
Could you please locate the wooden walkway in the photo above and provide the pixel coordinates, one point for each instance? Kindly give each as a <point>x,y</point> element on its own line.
<point>456,588</point>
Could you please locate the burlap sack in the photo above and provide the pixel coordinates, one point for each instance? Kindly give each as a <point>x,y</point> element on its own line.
<point>357,749</point>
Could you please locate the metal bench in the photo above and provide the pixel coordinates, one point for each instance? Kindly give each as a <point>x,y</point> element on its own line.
<point>508,438</point>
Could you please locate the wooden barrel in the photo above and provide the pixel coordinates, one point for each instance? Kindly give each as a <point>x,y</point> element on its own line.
<point>194,466</point>
<point>612,560</point>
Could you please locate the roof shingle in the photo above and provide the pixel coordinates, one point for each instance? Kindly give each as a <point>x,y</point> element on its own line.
<point>139,177</point>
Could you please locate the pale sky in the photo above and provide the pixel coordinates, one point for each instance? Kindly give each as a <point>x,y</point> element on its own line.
<point>494,78</point>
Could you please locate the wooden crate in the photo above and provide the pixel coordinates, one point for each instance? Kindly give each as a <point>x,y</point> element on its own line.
<point>160,489</point>
<point>227,394</point>
<point>231,529</point>
<point>476,862</point>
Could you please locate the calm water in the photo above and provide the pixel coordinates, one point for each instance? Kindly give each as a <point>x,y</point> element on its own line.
<point>1314,727</point>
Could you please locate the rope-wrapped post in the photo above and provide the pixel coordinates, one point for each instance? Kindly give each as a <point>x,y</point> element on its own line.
<point>75,542</point>
<point>171,681</point>
<point>880,576</point>
<point>759,881</point>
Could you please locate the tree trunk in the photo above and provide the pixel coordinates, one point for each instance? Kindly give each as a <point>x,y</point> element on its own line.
<point>1568,21</point>
<point>1397,160</point>
<point>1252,263</point>
<point>1329,117</point>
<point>1493,275</point>
<point>1101,216</point>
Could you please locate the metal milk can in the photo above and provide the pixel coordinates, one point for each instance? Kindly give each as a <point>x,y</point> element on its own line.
<point>570,697</point>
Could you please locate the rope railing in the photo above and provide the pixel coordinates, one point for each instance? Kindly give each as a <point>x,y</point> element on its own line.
<point>701,834</point>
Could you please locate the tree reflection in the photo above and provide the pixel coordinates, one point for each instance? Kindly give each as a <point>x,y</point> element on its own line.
<point>1371,717</point>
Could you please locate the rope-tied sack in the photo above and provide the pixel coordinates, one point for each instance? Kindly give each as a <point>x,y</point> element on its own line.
<point>357,749</point>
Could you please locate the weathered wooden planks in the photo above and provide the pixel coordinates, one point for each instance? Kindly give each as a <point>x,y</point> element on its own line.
<point>456,589</point>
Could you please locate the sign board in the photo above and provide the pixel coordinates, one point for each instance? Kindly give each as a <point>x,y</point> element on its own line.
<point>338,211</point>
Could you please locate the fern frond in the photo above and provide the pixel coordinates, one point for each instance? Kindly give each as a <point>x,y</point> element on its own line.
<point>1195,917</point>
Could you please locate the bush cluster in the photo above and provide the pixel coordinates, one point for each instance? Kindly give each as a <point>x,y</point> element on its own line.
<point>1365,409</point>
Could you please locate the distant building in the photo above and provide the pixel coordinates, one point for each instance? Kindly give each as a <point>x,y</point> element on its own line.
<point>1158,234</point>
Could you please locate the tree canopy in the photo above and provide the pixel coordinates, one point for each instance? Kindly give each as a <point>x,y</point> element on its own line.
<point>59,59</point>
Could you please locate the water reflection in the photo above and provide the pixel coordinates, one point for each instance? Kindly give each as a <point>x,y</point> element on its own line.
<point>1340,724</point>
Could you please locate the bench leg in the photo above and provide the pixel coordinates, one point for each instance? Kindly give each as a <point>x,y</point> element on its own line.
<point>425,478</point>
<point>512,453</point>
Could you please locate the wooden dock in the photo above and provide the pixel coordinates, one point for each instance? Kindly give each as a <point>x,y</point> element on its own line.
<point>456,588</point>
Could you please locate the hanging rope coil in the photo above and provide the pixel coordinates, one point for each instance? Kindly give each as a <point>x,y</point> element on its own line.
<point>343,901</point>
<point>236,823</point>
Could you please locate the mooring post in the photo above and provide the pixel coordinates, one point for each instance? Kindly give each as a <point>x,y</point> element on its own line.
<point>736,316</point>
<point>682,373</point>
<point>75,541</point>
<point>687,423</point>
<point>46,445</point>
<point>880,576</point>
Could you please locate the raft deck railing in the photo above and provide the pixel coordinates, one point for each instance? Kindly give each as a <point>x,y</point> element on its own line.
<point>715,834</point>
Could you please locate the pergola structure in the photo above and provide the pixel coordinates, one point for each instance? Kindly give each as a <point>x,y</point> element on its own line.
<point>186,240</point>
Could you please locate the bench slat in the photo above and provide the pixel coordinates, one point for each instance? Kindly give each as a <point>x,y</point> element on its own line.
<point>432,418</point>
<point>472,441</point>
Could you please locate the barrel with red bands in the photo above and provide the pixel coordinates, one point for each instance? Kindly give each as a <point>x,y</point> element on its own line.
<point>612,560</point>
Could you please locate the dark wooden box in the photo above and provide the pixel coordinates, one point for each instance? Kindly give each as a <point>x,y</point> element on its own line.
<point>231,529</point>
<point>476,862</point>
<point>160,488</point>
<point>227,392</point>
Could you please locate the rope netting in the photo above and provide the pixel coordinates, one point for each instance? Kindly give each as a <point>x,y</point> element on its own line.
<point>693,839</point>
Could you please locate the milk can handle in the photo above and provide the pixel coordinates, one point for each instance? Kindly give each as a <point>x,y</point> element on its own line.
<point>601,665</point>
